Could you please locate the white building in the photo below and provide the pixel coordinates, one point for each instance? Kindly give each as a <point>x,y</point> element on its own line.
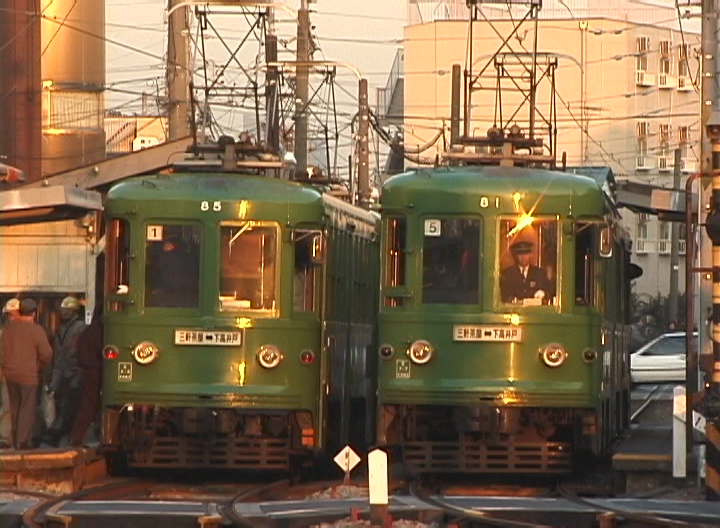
<point>626,84</point>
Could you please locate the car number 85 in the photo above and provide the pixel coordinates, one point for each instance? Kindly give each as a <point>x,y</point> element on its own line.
<point>210,206</point>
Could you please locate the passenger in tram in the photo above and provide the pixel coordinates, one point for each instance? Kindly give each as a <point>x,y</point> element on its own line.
<point>66,373</point>
<point>11,311</point>
<point>90,359</point>
<point>26,350</point>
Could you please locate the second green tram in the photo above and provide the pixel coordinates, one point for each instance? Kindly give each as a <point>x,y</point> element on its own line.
<point>503,339</point>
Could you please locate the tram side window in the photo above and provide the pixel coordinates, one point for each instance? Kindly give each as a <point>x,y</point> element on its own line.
<point>451,257</point>
<point>247,274</point>
<point>172,265</point>
<point>394,272</point>
<point>117,277</point>
<point>584,264</point>
<point>306,243</point>
<point>528,255</point>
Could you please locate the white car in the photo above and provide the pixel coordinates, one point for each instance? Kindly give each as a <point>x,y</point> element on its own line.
<point>661,360</point>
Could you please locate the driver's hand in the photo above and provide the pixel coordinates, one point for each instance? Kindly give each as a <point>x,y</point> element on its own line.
<point>539,294</point>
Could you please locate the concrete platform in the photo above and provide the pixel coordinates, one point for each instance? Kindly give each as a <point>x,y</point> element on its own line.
<point>52,470</point>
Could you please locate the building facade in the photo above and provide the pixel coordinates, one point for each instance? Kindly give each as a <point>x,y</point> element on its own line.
<point>626,94</point>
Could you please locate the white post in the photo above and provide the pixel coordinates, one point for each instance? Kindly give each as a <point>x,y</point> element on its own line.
<point>679,458</point>
<point>378,487</point>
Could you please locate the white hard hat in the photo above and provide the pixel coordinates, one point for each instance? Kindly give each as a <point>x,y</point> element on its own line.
<point>70,303</point>
<point>13,305</point>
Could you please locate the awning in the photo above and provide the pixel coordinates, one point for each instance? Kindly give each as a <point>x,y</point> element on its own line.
<point>46,204</point>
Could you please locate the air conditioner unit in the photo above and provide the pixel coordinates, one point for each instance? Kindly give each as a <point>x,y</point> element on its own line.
<point>684,84</point>
<point>642,163</point>
<point>682,247</point>
<point>689,167</point>
<point>665,81</point>
<point>643,78</point>
<point>665,164</point>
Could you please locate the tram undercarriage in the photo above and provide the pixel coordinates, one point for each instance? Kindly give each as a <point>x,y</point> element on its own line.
<point>154,437</point>
<point>486,439</point>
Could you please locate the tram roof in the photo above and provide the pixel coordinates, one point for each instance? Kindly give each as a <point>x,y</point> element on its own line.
<point>215,186</point>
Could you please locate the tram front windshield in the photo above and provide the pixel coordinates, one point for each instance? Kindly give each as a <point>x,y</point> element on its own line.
<point>247,266</point>
<point>451,256</point>
<point>172,265</point>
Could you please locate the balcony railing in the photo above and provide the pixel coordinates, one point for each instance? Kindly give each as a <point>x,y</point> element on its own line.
<point>663,246</point>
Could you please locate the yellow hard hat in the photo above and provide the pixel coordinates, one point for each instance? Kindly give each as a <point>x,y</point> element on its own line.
<point>70,303</point>
<point>13,305</point>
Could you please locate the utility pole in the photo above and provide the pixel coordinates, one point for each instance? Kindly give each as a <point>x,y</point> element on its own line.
<point>674,238</point>
<point>177,71</point>
<point>708,93</point>
<point>302,86</point>
<point>272,93</point>
<point>363,152</point>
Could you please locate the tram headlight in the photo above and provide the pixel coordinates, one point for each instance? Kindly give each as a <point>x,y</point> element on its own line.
<point>145,352</point>
<point>420,351</point>
<point>553,355</point>
<point>269,356</point>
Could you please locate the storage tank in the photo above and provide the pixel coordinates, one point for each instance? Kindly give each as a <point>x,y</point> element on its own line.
<point>20,102</point>
<point>73,79</point>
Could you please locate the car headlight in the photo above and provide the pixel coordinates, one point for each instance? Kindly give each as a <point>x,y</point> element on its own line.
<point>269,356</point>
<point>420,351</point>
<point>553,355</point>
<point>145,352</point>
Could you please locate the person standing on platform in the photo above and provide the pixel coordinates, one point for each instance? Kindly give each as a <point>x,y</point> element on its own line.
<point>90,359</point>
<point>65,382</point>
<point>26,350</point>
<point>11,311</point>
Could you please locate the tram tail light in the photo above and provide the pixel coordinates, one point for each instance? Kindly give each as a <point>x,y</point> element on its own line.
<point>111,352</point>
<point>308,437</point>
<point>307,357</point>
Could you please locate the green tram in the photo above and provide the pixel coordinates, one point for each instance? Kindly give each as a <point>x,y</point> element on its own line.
<point>482,373</point>
<point>238,317</point>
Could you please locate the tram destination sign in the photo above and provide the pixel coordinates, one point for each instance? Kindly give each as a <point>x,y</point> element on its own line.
<point>208,338</point>
<point>487,333</point>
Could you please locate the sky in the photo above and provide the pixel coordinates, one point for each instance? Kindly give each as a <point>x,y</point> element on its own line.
<point>365,34</point>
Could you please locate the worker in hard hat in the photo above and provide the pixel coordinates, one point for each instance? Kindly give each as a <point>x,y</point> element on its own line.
<point>66,373</point>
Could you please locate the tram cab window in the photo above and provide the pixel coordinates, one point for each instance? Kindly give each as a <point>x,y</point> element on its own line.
<point>172,265</point>
<point>307,244</point>
<point>247,266</point>
<point>585,263</point>
<point>117,277</point>
<point>451,261</point>
<point>528,253</point>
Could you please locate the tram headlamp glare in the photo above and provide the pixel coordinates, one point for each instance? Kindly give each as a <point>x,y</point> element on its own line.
<point>553,355</point>
<point>420,351</point>
<point>269,356</point>
<point>145,352</point>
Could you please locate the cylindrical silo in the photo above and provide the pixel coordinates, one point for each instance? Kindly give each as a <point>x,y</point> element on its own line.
<point>73,76</point>
<point>20,102</point>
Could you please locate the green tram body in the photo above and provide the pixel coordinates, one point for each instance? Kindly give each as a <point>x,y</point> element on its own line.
<point>183,385</point>
<point>463,383</point>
